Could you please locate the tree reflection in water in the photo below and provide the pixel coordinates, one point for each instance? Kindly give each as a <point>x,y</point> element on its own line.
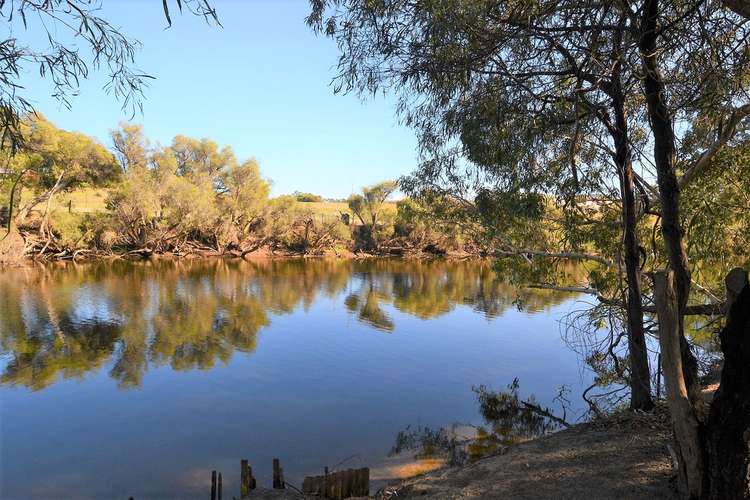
<point>508,419</point>
<point>66,320</point>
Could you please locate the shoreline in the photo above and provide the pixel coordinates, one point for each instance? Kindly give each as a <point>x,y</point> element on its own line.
<point>622,456</point>
<point>260,254</point>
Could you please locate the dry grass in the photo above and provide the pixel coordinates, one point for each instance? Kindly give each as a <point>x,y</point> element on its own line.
<point>335,208</point>
<point>87,200</point>
<point>418,467</point>
<point>324,208</point>
<point>91,200</point>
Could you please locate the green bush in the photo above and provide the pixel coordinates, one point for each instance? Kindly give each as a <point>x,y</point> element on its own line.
<point>307,197</point>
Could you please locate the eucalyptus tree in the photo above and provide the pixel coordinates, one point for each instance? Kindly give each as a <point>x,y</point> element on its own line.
<point>54,161</point>
<point>368,207</point>
<point>243,199</point>
<point>514,103</point>
<point>77,41</point>
<point>130,145</point>
<point>695,66</point>
<point>196,156</point>
<point>507,95</point>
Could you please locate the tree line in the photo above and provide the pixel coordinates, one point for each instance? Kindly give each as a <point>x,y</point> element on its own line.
<point>192,196</point>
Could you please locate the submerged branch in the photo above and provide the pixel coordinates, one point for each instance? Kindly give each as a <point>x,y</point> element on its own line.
<point>712,309</point>
<point>556,255</point>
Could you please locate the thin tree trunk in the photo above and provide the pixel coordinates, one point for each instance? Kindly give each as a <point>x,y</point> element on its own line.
<point>640,375</point>
<point>44,226</point>
<point>13,200</point>
<point>669,191</point>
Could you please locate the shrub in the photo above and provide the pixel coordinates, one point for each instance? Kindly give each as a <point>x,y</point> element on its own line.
<point>307,197</point>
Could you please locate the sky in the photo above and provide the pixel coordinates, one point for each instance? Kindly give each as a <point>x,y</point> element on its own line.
<point>260,84</point>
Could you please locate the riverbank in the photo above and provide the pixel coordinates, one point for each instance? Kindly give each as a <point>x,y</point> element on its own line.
<point>624,456</point>
<point>12,254</point>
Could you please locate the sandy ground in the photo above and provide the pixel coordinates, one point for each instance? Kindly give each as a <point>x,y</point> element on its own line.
<point>624,457</point>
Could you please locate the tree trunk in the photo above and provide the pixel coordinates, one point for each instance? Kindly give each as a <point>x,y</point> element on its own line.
<point>12,201</point>
<point>669,191</point>
<point>640,375</point>
<point>713,458</point>
<point>739,7</point>
<point>685,423</point>
<point>727,440</point>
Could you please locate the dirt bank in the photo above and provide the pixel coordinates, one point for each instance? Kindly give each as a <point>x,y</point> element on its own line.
<point>622,457</point>
<point>11,248</point>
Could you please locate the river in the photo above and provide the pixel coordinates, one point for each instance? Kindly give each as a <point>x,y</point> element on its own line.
<point>137,379</point>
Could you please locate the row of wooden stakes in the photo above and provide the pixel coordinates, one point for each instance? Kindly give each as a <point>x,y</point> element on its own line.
<point>247,480</point>
<point>337,485</point>
<point>342,484</point>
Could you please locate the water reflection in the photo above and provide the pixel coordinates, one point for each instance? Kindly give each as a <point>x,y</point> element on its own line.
<point>67,320</point>
<point>508,419</point>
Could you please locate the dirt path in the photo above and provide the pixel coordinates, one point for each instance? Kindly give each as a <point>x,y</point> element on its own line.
<point>624,457</point>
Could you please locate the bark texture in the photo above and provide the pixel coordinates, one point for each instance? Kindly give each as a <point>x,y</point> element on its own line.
<point>640,375</point>
<point>687,427</point>
<point>727,440</point>
<point>669,190</point>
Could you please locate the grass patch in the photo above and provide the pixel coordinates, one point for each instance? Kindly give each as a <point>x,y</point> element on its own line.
<point>85,200</point>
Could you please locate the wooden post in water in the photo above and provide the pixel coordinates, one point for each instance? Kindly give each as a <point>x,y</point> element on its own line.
<point>219,488</point>
<point>253,483</point>
<point>244,479</point>
<point>213,485</point>
<point>278,475</point>
<point>247,481</point>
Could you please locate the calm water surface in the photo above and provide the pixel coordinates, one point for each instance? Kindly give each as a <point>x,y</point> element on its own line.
<point>123,379</point>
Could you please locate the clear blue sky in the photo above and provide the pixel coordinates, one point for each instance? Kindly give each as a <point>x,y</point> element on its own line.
<point>259,84</point>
